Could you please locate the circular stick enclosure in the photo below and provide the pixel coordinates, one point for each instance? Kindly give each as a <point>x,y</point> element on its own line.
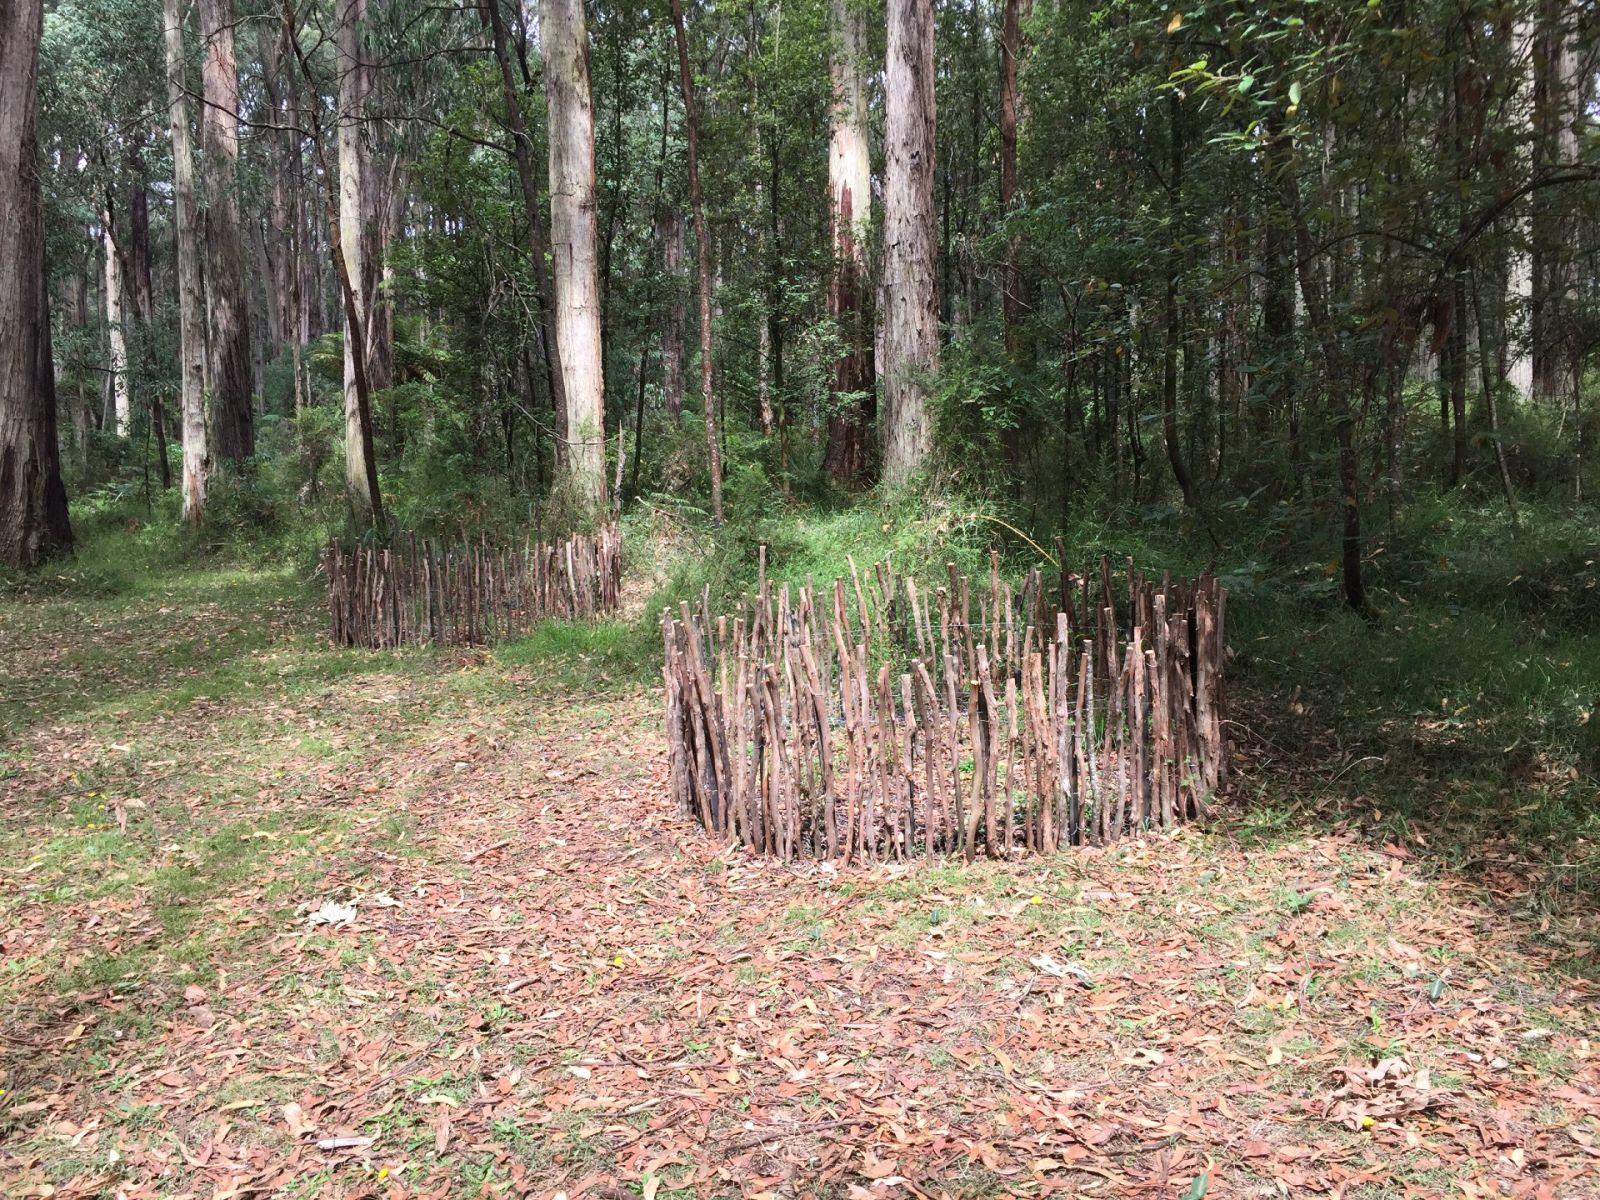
<point>880,718</point>
<point>466,593</point>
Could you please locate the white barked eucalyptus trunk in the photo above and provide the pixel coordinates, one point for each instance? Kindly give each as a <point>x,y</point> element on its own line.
<point>564,45</point>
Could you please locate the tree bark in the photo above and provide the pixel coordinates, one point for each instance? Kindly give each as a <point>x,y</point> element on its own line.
<point>1281,395</point>
<point>1313,289</point>
<point>360,469</point>
<point>1519,272</point>
<point>1173,334</point>
<point>116,333</point>
<point>279,229</point>
<point>573,241</point>
<point>286,107</point>
<point>669,232</point>
<point>1491,400</point>
<point>765,306</point>
<point>136,246</point>
<point>384,212</point>
<point>692,133</point>
<point>911,307</point>
<point>1558,111</point>
<point>232,414</point>
<point>137,280</point>
<point>853,406</point>
<point>191,304</point>
<point>1458,387</point>
<point>522,147</point>
<point>1017,297</point>
<point>33,501</point>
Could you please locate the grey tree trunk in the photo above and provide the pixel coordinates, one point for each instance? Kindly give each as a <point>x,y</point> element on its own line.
<point>853,406</point>
<point>369,503</point>
<point>1173,333</point>
<point>33,502</point>
<point>1559,114</point>
<point>522,147</point>
<point>564,43</point>
<point>1519,268</point>
<point>136,278</point>
<point>279,229</point>
<point>692,135</point>
<point>136,245</point>
<point>384,198</point>
<point>669,233</point>
<point>354,167</point>
<point>765,293</point>
<point>191,304</point>
<point>116,334</point>
<point>1017,298</point>
<point>910,297</point>
<point>232,414</point>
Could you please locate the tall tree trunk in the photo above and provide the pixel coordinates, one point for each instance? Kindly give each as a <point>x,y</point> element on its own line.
<point>564,43</point>
<point>1313,289</point>
<point>311,233</point>
<point>136,245</point>
<point>853,406</point>
<point>232,414</point>
<point>692,132</point>
<point>911,306</point>
<point>1017,295</point>
<point>1280,395</point>
<point>191,303</point>
<point>286,107</point>
<point>136,278</point>
<point>384,210</point>
<point>1458,386</point>
<point>277,232</point>
<point>1517,346</point>
<point>361,484</point>
<point>669,232</point>
<point>1173,334</point>
<point>371,502</point>
<point>765,292</point>
<point>116,334</point>
<point>1559,115</point>
<point>33,502</point>
<point>522,147</point>
<point>1491,400</point>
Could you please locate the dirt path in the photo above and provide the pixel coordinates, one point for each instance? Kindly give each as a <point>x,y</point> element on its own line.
<point>426,926</point>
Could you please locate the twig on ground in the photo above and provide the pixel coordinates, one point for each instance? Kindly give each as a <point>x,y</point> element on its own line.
<point>775,1132</point>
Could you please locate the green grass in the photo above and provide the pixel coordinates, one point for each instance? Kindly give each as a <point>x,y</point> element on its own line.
<point>1461,711</point>
<point>605,657</point>
<point>918,535</point>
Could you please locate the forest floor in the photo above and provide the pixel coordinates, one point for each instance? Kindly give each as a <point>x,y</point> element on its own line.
<point>280,920</point>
